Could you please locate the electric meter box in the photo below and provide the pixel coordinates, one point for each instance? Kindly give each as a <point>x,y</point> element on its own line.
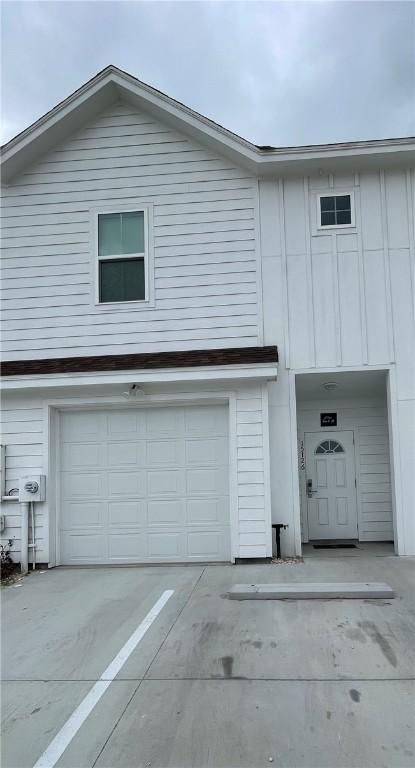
<point>32,488</point>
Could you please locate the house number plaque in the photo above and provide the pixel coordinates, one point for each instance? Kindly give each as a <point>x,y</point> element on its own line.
<point>328,419</point>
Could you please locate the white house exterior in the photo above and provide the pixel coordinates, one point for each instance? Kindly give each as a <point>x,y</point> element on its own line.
<point>202,337</point>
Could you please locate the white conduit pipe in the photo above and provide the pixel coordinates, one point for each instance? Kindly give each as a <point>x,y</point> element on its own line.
<point>24,536</point>
<point>32,525</point>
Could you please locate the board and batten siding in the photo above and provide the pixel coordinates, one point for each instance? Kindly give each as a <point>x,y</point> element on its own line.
<point>24,434</point>
<point>348,294</point>
<point>205,275</point>
<point>369,422</point>
<point>345,299</point>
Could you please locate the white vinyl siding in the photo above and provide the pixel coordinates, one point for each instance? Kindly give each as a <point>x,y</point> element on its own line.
<point>374,482</point>
<point>23,437</point>
<point>205,264</point>
<point>251,448</point>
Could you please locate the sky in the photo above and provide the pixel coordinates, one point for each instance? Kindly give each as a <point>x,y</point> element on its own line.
<point>279,73</point>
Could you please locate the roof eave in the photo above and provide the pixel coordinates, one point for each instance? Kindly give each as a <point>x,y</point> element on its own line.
<point>106,87</point>
<point>112,84</point>
<point>54,127</point>
<point>324,159</point>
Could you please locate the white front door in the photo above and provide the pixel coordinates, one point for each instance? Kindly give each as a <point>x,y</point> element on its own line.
<point>331,485</point>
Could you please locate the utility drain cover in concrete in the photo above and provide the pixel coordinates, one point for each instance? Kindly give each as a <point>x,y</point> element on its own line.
<point>329,591</point>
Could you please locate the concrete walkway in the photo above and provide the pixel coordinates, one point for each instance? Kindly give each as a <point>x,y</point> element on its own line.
<point>213,682</point>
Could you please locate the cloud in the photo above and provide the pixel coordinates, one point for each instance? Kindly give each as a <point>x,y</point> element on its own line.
<point>274,72</point>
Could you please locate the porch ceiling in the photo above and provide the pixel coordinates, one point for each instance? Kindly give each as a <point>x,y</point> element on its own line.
<point>350,384</point>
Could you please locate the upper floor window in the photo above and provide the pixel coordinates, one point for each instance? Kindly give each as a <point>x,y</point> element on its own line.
<point>122,256</point>
<point>335,210</point>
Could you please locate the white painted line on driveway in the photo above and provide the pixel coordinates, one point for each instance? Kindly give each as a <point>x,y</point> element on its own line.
<point>57,747</point>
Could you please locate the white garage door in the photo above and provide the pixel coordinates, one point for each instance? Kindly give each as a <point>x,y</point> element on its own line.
<point>144,485</point>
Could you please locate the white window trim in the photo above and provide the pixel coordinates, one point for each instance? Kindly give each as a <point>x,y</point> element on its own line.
<point>336,193</point>
<point>147,209</point>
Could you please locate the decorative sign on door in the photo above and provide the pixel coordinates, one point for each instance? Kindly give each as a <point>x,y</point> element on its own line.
<point>328,419</point>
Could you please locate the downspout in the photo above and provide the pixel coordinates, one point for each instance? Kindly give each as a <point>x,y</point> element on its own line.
<point>24,536</point>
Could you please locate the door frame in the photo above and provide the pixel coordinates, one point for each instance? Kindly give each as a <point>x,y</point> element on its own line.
<point>354,455</point>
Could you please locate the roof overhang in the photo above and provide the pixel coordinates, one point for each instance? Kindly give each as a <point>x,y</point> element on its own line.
<point>215,365</point>
<point>109,86</point>
<point>339,158</point>
<point>112,85</point>
<point>215,374</point>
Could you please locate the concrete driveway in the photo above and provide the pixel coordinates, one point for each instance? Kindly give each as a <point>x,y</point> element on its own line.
<point>212,682</point>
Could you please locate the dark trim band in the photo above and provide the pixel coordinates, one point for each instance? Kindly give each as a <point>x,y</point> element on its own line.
<point>145,361</point>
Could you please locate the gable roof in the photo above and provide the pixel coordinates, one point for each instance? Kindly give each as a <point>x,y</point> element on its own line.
<point>113,84</point>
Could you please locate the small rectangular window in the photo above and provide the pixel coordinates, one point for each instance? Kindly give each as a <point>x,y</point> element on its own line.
<point>121,256</point>
<point>335,210</point>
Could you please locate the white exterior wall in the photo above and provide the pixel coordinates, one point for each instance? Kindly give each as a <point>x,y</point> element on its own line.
<point>205,274</point>
<point>340,300</point>
<point>26,433</point>
<point>22,434</point>
<point>368,419</point>
<point>348,294</point>
<point>253,461</point>
<point>230,268</point>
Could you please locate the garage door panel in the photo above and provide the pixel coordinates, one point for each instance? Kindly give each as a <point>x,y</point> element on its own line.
<point>206,544</point>
<point>126,483</point>
<point>206,481</point>
<point>165,452</point>
<point>207,511</point>
<point>206,451</point>
<point>85,548</point>
<point>127,513</point>
<point>164,482</point>
<point>83,515</point>
<point>164,422</point>
<point>205,422</point>
<point>86,485</point>
<point>166,513</point>
<point>165,545</point>
<point>126,454</point>
<point>83,455</point>
<point>131,547</point>
<point>152,487</point>
<point>123,424</point>
<point>84,426</point>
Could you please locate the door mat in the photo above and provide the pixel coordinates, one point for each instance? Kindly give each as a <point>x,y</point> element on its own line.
<point>334,546</point>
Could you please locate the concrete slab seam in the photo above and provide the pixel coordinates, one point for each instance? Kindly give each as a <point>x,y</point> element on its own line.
<point>174,623</point>
<point>148,667</point>
<point>56,748</point>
